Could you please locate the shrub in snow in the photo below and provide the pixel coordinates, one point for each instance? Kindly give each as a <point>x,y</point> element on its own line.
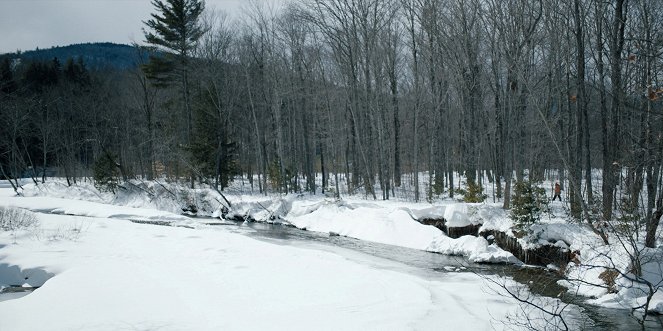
<point>12,219</point>
<point>105,171</point>
<point>438,186</point>
<point>630,218</point>
<point>608,277</point>
<point>282,178</point>
<point>70,232</point>
<point>474,193</point>
<point>274,174</point>
<point>529,201</point>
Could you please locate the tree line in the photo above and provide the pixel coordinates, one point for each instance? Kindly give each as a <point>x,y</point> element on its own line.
<point>368,91</point>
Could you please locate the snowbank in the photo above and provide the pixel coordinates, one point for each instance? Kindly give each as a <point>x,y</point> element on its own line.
<point>164,196</point>
<point>109,274</point>
<point>476,249</point>
<point>388,222</point>
<point>364,221</point>
<point>384,222</point>
<point>393,223</point>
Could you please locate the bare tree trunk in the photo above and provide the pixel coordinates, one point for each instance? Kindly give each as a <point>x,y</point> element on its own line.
<point>582,98</point>
<point>397,127</point>
<point>611,167</point>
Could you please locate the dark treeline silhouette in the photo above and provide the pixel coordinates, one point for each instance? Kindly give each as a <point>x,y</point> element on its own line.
<point>97,56</point>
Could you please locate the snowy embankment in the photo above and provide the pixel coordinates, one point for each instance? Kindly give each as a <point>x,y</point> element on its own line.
<point>386,222</point>
<point>603,273</point>
<point>98,273</point>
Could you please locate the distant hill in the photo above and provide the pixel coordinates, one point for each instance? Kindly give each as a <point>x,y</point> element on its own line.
<point>97,56</point>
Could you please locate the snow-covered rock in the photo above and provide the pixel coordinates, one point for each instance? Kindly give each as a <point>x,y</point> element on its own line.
<point>476,249</point>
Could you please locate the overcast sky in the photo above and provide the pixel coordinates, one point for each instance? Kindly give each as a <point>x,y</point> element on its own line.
<point>28,24</point>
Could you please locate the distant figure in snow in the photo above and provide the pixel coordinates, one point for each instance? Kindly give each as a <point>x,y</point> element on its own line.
<point>558,191</point>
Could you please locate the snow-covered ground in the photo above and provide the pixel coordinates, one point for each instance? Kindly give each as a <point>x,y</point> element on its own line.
<point>387,222</point>
<point>99,271</point>
<point>102,218</point>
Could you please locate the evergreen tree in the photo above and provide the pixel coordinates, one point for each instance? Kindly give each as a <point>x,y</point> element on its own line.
<point>174,30</point>
<point>106,172</point>
<point>76,72</point>
<point>177,29</point>
<point>529,201</point>
<point>212,151</point>
<point>39,75</point>
<point>7,83</point>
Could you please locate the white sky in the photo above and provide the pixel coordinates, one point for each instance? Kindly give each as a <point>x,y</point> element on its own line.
<point>28,24</point>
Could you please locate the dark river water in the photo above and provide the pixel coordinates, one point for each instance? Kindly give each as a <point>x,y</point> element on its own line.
<point>432,265</point>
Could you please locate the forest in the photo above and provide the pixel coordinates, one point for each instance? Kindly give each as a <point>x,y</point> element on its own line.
<point>373,95</point>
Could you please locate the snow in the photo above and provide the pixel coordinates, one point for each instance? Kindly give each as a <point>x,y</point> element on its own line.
<point>138,194</point>
<point>367,222</point>
<point>495,218</point>
<point>395,224</point>
<point>102,272</point>
<point>97,232</point>
<point>476,249</point>
<point>91,209</point>
<point>387,222</point>
<point>457,215</point>
<point>597,259</point>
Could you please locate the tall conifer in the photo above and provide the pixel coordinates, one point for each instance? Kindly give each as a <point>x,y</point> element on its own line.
<point>173,32</point>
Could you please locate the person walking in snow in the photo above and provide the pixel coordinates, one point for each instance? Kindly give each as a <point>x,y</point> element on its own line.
<point>558,191</point>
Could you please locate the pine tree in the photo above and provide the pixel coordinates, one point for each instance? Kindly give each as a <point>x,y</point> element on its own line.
<point>76,72</point>
<point>174,30</point>
<point>177,29</point>
<point>173,33</point>
<point>7,83</point>
<point>106,172</point>
<point>39,75</point>
<point>529,201</point>
<point>212,151</point>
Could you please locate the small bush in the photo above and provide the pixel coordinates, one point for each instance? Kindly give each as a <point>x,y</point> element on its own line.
<point>629,219</point>
<point>106,173</point>
<point>274,175</point>
<point>64,233</point>
<point>529,201</point>
<point>281,180</point>
<point>474,193</point>
<point>438,186</point>
<point>12,219</point>
<point>609,277</point>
